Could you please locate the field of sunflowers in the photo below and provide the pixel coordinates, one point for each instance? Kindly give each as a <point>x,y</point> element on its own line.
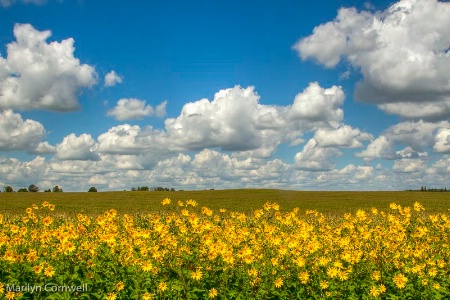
<point>194,252</point>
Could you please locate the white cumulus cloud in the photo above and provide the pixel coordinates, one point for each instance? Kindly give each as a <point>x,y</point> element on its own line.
<point>316,158</point>
<point>131,109</point>
<point>19,134</point>
<point>233,120</point>
<point>408,165</point>
<point>402,53</point>
<point>43,148</point>
<point>112,78</point>
<point>442,140</point>
<point>417,135</point>
<point>124,139</point>
<point>344,136</point>
<point>76,148</point>
<point>40,75</point>
<point>318,104</point>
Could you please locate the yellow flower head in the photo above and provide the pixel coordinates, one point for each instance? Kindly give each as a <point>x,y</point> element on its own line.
<point>206,211</point>
<point>49,271</point>
<point>148,296</point>
<point>212,293</point>
<point>304,277</point>
<point>120,286</point>
<point>14,228</point>
<point>197,275</point>
<point>38,269</point>
<point>418,206</point>
<point>147,266</point>
<point>111,296</point>
<point>400,280</point>
<point>166,201</point>
<point>47,221</point>
<point>191,202</point>
<point>376,275</point>
<point>278,282</point>
<point>374,291</point>
<point>275,206</point>
<point>10,295</point>
<point>162,286</point>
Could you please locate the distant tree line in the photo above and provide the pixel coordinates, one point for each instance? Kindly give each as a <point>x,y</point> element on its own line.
<point>425,189</point>
<point>146,188</point>
<point>56,189</point>
<point>34,188</point>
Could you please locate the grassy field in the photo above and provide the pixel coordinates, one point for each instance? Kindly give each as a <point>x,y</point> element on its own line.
<point>244,200</point>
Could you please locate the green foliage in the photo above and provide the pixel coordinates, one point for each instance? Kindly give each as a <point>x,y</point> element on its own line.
<point>92,189</point>
<point>57,189</point>
<point>8,189</point>
<point>33,188</point>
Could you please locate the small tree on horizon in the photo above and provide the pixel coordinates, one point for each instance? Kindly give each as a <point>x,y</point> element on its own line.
<point>22,190</point>
<point>92,189</point>
<point>8,189</point>
<point>57,189</point>
<point>33,188</point>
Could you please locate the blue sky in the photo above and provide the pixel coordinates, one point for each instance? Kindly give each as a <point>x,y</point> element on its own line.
<point>345,95</point>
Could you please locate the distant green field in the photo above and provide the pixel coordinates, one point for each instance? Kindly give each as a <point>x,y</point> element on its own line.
<point>243,200</point>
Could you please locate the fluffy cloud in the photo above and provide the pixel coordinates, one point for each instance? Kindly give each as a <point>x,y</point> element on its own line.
<point>43,148</point>
<point>233,121</point>
<point>125,139</point>
<point>344,136</point>
<point>347,177</point>
<point>17,134</point>
<point>114,162</point>
<point>209,168</point>
<point>111,79</point>
<point>318,105</point>
<point>315,158</point>
<point>442,140</point>
<point>40,75</point>
<point>76,148</point>
<point>408,152</point>
<point>98,180</point>
<point>441,167</point>
<point>401,52</point>
<point>417,135</point>
<point>229,122</point>
<point>21,173</point>
<point>408,165</point>
<point>129,109</point>
<point>381,147</point>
